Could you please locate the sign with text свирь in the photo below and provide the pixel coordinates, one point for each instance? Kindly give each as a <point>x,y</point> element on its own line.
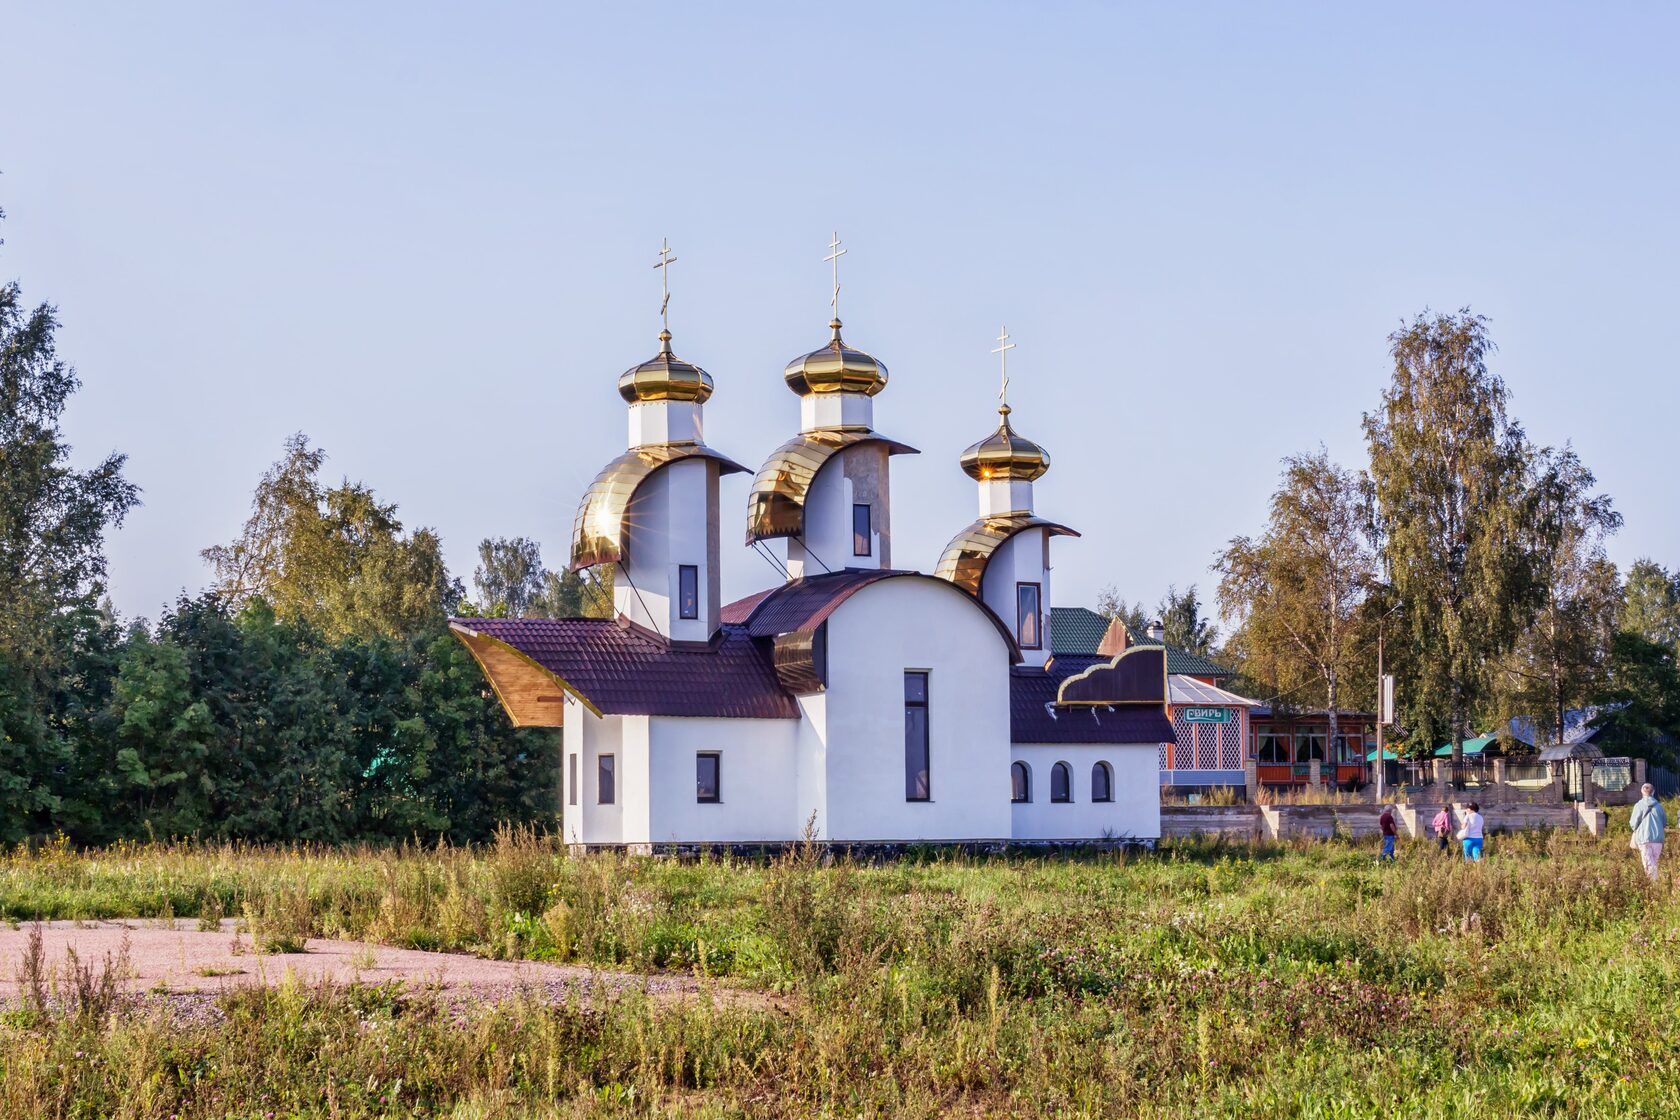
<point>1207,715</point>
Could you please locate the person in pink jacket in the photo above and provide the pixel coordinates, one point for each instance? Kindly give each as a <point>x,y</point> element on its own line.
<point>1443,826</point>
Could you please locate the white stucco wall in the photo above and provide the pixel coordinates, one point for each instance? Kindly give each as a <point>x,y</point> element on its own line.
<point>590,736</point>
<point>811,763</point>
<point>877,634</point>
<point>854,474</point>
<point>758,780</point>
<point>836,410</point>
<point>665,422</point>
<point>1134,813</point>
<point>672,521</point>
<point>1020,559</point>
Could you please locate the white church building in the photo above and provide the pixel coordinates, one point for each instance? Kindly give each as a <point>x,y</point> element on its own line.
<point>860,698</point>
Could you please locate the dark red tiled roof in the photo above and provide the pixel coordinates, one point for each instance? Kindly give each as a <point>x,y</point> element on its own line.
<point>737,613</point>
<point>626,671</point>
<point>1035,718</point>
<point>805,603</point>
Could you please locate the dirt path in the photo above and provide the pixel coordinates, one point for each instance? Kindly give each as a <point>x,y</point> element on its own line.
<point>178,957</point>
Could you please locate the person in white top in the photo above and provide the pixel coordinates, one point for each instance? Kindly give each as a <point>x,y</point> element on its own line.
<point>1471,831</point>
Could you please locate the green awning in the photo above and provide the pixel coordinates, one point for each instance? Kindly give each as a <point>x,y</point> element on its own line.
<point>1471,746</point>
<point>1388,756</point>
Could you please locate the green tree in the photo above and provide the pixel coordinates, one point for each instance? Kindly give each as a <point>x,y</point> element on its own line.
<point>509,575</point>
<point>569,595</point>
<point>336,559</point>
<point>53,521</point>
<point>1183,624</point>
<point>1448,465</point>
<point>1298,592</point>
<point>1111,606</point>
<point>159,781</point>
<point>1639,704</point>
<point>1651,603</point>
<point>1562,656</point>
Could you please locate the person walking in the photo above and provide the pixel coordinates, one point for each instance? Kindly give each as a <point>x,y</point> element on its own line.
<point>1443,826</point>
<point>1471,831</point>
<point>1648,822</point>
<point>1385,822</point>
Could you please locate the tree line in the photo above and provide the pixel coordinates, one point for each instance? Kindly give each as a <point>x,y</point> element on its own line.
<point>312,693</point>
<point>1475,557</point>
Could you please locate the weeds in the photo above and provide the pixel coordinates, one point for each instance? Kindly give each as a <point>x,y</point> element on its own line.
<point>1211,978</point>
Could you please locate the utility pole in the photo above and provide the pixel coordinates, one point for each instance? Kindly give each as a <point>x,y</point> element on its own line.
<point>1382,685</point>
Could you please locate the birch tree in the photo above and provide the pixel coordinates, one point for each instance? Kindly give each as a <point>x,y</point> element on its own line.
<point>1297,592</point>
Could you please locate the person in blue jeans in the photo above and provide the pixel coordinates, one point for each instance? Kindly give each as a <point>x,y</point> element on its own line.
<point>1385,822</point>
<point>1471,832</point>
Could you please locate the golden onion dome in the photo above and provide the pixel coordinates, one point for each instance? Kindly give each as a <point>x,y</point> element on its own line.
<point>665,377</point>
<point>1003,454</point>
<point>836,368</point>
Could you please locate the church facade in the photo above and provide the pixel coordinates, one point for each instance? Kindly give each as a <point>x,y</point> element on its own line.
<point>860,700</point>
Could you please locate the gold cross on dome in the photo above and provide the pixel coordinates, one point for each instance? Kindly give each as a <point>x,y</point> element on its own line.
<point>666,260</point>
<point>834,255</point>
<point>1002,350</point>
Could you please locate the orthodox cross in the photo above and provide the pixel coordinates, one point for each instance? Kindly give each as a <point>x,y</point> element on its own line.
<point>666,260</point>
<point>834,255</point>
<point>1002,350</point>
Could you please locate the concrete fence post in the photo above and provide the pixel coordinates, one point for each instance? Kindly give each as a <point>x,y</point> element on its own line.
<point>1639,773</point>
<point>1315,773</point>
<point>1595,821</point>
<point>1499,771</point>
<point>1251,780</point>
<point>1441,766</point>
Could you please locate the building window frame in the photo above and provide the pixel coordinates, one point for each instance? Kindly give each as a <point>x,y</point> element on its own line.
<point>1103,784</point>
<point>701,758</point>
<point>1310,745</point>
<point>918,750</point>
<point>1282,748</point>
<point>1035,590</point>
<point>863,529</point>
<point>1020,783</point>
<point>572,779</point>
<point>606,780</point>
<point>688,591</point>
<point>1061,784</point>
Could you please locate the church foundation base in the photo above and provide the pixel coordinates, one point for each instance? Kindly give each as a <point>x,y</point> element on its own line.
<point>867,851</point>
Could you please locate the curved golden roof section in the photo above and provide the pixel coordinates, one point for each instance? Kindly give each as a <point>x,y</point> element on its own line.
<point>836,368</point>
<point>598,531</point>
<point>965,558</point>
<point>1004,454</point>
<point>776,503</point>
<point>665,377</point>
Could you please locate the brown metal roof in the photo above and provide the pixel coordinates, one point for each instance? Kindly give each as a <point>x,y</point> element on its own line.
<point>1035,717</point>
<point>806,603</point>
<point>615,669</point>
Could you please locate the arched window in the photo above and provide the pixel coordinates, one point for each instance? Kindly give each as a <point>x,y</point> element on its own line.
<point>1061,782</point>
<point>1102,782</point>
<point>1020,782</point>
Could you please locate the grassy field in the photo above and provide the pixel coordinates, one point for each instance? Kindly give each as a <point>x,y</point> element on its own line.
<point>1203,980</point>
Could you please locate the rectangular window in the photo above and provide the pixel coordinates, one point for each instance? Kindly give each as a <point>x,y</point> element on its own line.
<point>688,591</point>
<point>1027,616</point>
<point>1274,749</point>
<point>606,789</point>
<point>1308,746</point>
<point>860,530</point>
<point>707,787</point>
<point>572,780</point>
<point>917,786</point>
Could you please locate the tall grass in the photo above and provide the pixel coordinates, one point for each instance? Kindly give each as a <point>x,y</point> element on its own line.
<point>1209,979</point>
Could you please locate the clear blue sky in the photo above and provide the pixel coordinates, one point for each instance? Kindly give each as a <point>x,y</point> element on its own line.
<point>424,237</point>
